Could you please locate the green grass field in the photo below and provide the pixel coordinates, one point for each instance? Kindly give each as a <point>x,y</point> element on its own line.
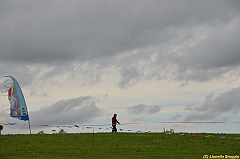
<point>117,146</point>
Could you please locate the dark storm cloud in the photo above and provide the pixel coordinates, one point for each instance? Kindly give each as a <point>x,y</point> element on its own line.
<point>60,34</point>
<point>47,31</point>
<point>213,57</point>
<point>217,108</point>
<point>76,110</point>
<point>142,108</point>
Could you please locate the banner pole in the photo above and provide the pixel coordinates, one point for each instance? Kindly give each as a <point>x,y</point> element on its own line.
<point>29,126</point>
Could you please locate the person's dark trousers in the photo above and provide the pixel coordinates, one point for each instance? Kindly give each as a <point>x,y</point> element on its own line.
<point>114,129</point>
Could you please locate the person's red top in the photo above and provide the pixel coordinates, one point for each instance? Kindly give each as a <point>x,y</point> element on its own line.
<point>114,121</point>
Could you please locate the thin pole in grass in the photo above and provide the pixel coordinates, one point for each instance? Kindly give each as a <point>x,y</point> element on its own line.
<point>93,135</point>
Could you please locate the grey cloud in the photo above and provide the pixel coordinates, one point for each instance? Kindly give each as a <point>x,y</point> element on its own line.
<point>216,56</point>
<point>137,109</point>
<point>48,31</point>
<point>176,117</point>
<point>75,110</point>
<point>213,57</point>
<point>153,109</point>
<point>142,108</point>
<point>62,34</point>
<point>130,76</point>
<point>215,108</point>
<point>188,107</point>
<point>212,53</point>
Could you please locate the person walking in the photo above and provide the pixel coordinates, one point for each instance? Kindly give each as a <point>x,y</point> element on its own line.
<point>114,123</point>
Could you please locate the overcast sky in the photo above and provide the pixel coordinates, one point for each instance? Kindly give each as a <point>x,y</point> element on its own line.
<point>80,61</point>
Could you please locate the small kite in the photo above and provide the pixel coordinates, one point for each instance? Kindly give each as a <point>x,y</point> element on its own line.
<point>76,125</point>
<point>193,136</point>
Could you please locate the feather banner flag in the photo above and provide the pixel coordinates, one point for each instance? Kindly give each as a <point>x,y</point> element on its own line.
<point>18,108</point>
